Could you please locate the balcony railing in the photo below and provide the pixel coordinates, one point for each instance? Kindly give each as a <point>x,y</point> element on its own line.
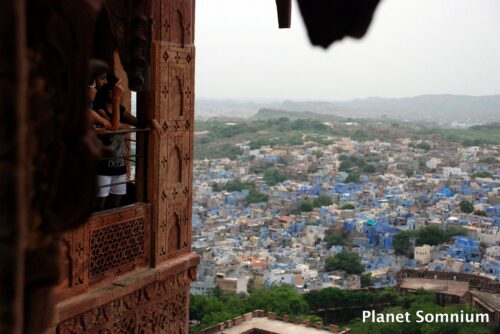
<point>135,157</point>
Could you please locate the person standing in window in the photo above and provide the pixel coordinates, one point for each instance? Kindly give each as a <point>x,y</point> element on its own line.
<point>112,172</point>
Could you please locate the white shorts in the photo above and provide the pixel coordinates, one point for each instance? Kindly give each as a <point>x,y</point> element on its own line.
<point>103,182</point>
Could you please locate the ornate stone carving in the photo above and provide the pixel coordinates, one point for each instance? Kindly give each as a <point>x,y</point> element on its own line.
<point>181,22</point>
<point>159,307</point>
<point>113,246</point>
<point>174,174</point>
<point>109,244</point>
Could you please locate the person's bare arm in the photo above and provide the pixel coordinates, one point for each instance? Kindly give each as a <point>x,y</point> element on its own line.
<point>96,119</point>
<point>115,97</point>
<point>128,118</point>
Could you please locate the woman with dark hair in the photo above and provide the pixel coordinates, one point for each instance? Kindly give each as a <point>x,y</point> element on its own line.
<point>112,172</point>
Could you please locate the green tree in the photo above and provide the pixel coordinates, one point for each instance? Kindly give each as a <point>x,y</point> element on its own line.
<point>480,213</point>
<point>409,172</point>
<point>236,185</point>
<point>488,160</point>
<point>348,206</point>
<point>482,174</point>
<point>423,146</point>
<point>466,206</point>
<point>390,295</point>
<point>318,154</point>
<point>216,292</point>
<point>256,197</point>
<point>334,239</point>
<point>313,318</point>
<point>345,166</point>
<point>430,235</point>
<point>272,176</point>
<point>453,231</point>
<point>419,297</point>
<point>369,168</point>
<point>366,280</point>
<point>322,200</point>
<point>196,306</point>
<point>344,157</point>
<point>282,299</point>
<point>306,206</point>
<point>352,177</point>
<point>335,297</point>
<point>401,242</point>
<point>347,261</point>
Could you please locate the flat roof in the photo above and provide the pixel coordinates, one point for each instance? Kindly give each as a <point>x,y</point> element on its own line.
<point>491,299</point>
<point>274,326</point>
<point>449,287</point>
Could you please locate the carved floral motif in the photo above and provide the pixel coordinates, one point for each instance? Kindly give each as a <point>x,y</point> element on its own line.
<point>160,307</point>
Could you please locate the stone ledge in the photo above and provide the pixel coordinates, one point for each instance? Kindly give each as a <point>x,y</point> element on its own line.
<point>122,286</point>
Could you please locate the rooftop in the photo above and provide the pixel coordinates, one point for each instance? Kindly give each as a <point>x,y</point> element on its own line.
<point>273,326</point>
<point>456,288</point>
<point>491,299</point>
<point>268,323</point>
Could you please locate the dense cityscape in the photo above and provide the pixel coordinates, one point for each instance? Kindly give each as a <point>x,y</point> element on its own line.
<point>344,214</point>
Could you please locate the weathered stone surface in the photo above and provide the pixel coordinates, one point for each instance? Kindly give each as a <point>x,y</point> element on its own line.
<point>48,160</point>
<point>156,307</point>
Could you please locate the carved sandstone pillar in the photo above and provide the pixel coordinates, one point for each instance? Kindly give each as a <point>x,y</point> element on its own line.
<point>170,102</point>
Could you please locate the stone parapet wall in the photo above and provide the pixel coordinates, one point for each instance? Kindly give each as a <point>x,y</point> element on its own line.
<point>475,281</point>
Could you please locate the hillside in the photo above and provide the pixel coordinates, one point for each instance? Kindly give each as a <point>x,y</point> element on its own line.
<point>265,113</point>
<point>441,108</point>
<point>435,108</point>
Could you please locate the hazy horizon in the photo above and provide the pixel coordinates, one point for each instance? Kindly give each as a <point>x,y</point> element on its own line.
<point>281,99</point>
<point>413,48</point>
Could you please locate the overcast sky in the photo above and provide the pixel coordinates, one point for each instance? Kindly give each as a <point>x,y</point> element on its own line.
<point>413,47</point>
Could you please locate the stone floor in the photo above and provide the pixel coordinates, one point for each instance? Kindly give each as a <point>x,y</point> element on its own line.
<point>273,326</point>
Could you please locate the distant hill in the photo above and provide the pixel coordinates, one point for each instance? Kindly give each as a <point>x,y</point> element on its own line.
<point>293,115</point>
<point>492,126</point>
<point>207,108</point>
<point>435,108</point>
<point>446,108</point>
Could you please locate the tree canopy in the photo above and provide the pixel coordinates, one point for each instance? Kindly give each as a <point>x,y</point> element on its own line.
<point>306,206</point>
<point>352,177</point>
<point>482,174</point>
<point>234,185</point>
<point>322,200</point>
<point>429,235</point>
<point>401,242</point>
<point>366,280</point>
<point>334,239</point>
<point>466,206</point>
<point>256,197</point>
<point>348,206</point>
<point>273,176</point>
<point>282,299</point>
<point>347,261</point>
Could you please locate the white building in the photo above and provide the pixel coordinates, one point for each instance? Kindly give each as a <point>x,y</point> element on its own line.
<point>423,254</point>
<point>432,163</point>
